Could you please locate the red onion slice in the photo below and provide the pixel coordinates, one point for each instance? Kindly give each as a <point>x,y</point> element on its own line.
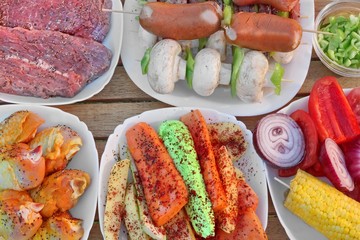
<point>278,139</point>
<point>333,160</point>
<point>352,158</point>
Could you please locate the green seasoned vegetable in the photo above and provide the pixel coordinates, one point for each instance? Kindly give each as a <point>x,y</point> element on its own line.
<point>227,12</point>
<point>190,62</point>
<point>227,15</point>
<point>145,61</point>
<point>283,14</point>
<point>343,46</point>
<point>276,77</point>
<point>142,2</point>
<point>238,57</point>
<point>202,43</point>
<point>180,145</point>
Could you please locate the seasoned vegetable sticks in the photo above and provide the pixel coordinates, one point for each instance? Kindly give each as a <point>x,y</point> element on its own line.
<point>164,189</point>
<point>180,145</point>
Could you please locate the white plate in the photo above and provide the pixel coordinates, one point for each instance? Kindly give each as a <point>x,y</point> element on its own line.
<point>251,165</point>
<point>112,41</point>
<point>295,228</point>
<point>221,100</point>
<point>86,159</point>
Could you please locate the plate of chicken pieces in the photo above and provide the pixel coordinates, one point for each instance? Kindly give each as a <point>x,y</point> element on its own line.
<point>57,52</point>
<point>243,60</point>
<point>48,174</point>
<point>182,172</point>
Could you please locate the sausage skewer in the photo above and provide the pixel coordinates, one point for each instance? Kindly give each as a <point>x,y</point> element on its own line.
<point>264,32</point>
<point>181,21</point>
<point>259,31</point>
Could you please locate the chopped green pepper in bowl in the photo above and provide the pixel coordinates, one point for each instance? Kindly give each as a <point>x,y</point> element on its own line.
<point>339,46</point>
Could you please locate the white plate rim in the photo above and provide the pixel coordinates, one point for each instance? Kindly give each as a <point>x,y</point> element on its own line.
<point>112,153</point>
<point>131,54</point>
<point>113,41</point>
<point>89,148</point>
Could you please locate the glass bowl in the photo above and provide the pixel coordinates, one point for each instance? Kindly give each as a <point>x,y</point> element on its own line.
<point>336,8</point>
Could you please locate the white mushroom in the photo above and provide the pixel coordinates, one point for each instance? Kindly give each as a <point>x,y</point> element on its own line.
<point>189,43</point>
<point>166,67</point>
<point>217,41</point>
<point>249,85</point>
<point>283,57</point>
<point>206,71</point>
<point>164,63</point>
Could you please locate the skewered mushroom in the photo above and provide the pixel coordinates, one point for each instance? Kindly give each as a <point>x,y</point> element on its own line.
<point>166,67</point>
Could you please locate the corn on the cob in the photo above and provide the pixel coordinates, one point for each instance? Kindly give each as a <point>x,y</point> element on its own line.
<point>323,207</point>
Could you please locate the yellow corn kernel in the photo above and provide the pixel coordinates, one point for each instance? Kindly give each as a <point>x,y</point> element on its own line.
<point>323,207</point>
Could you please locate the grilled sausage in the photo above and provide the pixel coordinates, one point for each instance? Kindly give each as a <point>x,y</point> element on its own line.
<point>282,5</point>
<point>181,21</point>
<point>264,32</point>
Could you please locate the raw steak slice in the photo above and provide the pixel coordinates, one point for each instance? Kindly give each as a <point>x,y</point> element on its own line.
<point>45,64</point>
<point>82,18</point>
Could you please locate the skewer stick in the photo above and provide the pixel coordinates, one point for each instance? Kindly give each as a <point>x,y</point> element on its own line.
<point>315,31</point>
<point>304,17</point>
<point>281,182</point>
<point>287,80</point>
<point>118,11</point>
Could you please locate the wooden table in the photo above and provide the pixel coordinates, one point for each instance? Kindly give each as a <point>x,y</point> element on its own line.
<point>121,99</point>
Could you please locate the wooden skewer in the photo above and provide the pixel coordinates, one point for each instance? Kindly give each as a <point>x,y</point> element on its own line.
<point>287,80</point>
<point>304,17</point>
<point>318,32</point>
<point>281,182</point>
<point>118,11</point>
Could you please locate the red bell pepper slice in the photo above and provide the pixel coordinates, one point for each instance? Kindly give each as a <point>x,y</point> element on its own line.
<point>308,128</point>
<point>331,112</point>
<point>354,100</point>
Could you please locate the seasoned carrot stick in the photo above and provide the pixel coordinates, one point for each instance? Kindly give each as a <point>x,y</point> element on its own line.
<point>248,227</point>
<point>226,218</point>
<point>199,132</point>
<point>247,197</point>
<point>164,189</point>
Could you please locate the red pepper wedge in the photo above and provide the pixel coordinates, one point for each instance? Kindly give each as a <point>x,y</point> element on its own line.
<point>331,112</point>
<point>354,100</point>
<point>308,128</point>
<point>316,170</point>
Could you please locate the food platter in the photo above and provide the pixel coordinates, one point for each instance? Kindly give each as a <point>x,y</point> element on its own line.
<point>221,100</point>
<point>86,206</point>
<point>112,41</point>
<point>295,228</point>
<point>115,149</point>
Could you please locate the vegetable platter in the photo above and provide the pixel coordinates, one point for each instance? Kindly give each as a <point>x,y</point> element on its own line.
<point>86,159</point>
<point>112,41</point>
<point>221,99</point>
<point>116,149</point>
<point>294,226</point>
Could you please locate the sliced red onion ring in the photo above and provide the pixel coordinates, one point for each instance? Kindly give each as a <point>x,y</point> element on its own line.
<point>352,158</point>
<point>278,139</point>
<point>333,160</point>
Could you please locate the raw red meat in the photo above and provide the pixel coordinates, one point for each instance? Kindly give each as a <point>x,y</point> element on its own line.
<point>82,18</point>
<point>45,64</point>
